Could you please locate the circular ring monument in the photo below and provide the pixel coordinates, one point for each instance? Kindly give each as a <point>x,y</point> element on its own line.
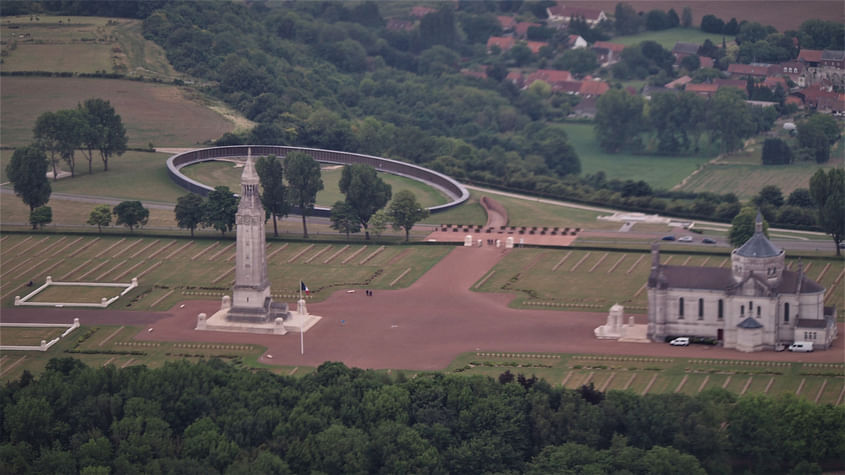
<point>456,192</point>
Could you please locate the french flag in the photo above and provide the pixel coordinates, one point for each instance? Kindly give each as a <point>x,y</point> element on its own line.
<point>304,288</point>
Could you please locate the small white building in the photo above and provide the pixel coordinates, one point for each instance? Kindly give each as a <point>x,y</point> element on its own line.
<point>755,305</point>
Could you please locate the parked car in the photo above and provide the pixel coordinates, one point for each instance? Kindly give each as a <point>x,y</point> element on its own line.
<point>801,346</point>
<point>668,238</point>
<point>680,341</point>
<point>685,239</point>
<point>708,241</point>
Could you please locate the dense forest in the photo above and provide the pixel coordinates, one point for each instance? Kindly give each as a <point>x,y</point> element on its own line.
<point>426,89</point>
<point>210,417</point>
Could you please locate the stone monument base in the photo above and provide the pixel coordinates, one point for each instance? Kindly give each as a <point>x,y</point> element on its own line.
<point>297,322</point>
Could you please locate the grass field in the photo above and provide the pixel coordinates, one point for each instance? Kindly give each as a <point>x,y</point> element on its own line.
<point>82,45</point>
<point>668,38</point>
<point>657,171</point>
<point>28,336</point>
<point>171,270</point>
<point>75,294</point>
<point>226,173</point>
<point>743,174</point>
<point>539,277</point>
<point>160,114</point>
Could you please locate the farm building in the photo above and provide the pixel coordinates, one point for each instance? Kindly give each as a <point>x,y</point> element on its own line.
<point>755,305</point>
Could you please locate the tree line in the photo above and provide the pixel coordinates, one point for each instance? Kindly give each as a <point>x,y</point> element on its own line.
<point>93,126</point>
<point>209,417</point>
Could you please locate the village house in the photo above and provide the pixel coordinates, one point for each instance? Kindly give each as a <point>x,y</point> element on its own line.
<point>507,23</point>
<point>703,89</point>
<point>682,49</point>
<point>756,71</point>
<point>504,43</point>
<point>521,28</point>
<point>607,52</point>
<point>564,14</point>
<point>577,42</point>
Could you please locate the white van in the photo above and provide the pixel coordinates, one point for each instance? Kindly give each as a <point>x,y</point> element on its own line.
<point>680,341</point>
<point>801,346</point>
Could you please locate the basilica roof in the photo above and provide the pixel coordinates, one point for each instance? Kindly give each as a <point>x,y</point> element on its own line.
<point>758,246</point>
<point>716,278</point>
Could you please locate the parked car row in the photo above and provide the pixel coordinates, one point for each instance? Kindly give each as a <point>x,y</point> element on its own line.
<point>687,239</point>
<point>798,346</point>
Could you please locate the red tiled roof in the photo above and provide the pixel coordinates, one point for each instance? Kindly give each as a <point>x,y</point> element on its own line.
<point>615,47</point>
<point>772,83</point>
<point>506,22</point>
<point>810,55</point>
<point>748,69</point>
<point>521,28</point>
<point>738,83</point>
<point>703,87</point>
<point>535,46</point>
<point>421,11</point>
<point>503,42</point>
<point>551,75</point>
<point>593,88</point>
<point>678,82</point>
<point>706,62</point>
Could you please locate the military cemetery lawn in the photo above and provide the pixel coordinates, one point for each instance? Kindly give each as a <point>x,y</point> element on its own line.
<point>76,294</point>
<point>160,114</point>
<point>226,173</point>
<point>594,280</point>
<point>28,336</point>
<point>171,269</point>
<point>658,171</point>
<point>817,382</point>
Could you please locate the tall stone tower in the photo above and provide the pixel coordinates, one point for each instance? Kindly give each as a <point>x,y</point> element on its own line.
<point>251,301</point>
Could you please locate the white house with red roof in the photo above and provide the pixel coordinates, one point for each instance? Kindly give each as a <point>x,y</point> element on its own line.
<point>565,14</point>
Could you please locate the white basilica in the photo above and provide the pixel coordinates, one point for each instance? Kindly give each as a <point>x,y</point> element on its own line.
<point>755,305</point>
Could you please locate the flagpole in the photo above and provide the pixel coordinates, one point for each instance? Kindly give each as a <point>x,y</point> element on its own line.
<point>301,330</point>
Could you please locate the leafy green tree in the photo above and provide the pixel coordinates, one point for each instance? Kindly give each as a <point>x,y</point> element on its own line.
<point>626,19</point>
<point>108,134</point>
<point>800,197</point>
<point>339,449</point>
<point>818,133</point>
<point>379,223</point>
<point>344,219</point>
<point>676,118</point>
<point>771,195</point>
<point>220,209</point>
<point>686,17</point>
<point>100,216</point>
<point>743,225</point>
<point>131,213</point>
<point>303,175</point>
<point>365,192</point>
<point>274,195</point>
<point>577,61</point>
<point>27,170</point>
<point>828,193</point>
<point>40,216</point>
<point>712,24</point>
<point>776,152</point>
<point>46,133</point>
<point>729,119</point>
<point>189,211</point>
<point>619,119</point>
<point>69,129</point>
<point>405,211</point>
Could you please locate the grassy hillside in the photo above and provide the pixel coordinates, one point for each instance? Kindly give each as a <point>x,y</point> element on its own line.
<point>161,114</point>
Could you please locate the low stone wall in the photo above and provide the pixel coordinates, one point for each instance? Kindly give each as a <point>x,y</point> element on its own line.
<point>454,190</point>
<point>45,345</point>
